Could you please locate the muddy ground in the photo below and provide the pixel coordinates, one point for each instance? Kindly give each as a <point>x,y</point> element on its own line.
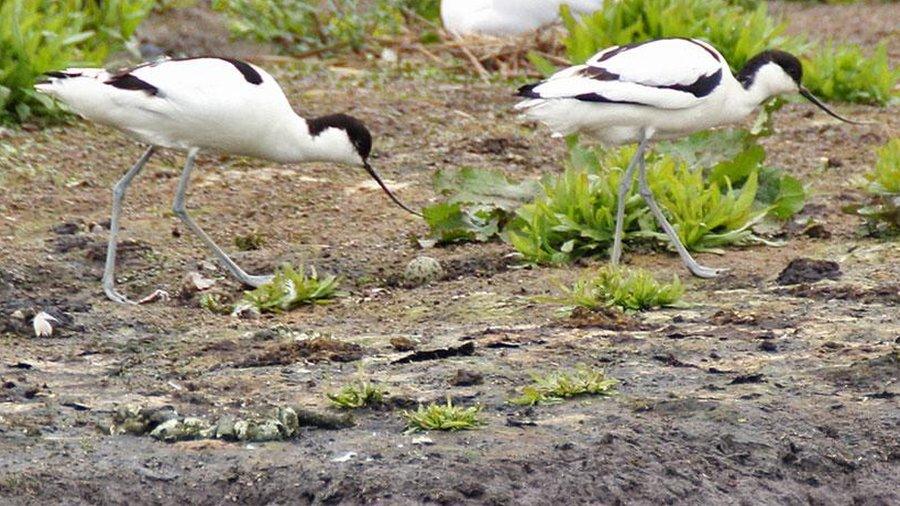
<point>755,393</point>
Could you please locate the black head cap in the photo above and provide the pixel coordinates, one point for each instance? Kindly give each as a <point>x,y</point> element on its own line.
<point>788,62</point>
<point>357,132</point>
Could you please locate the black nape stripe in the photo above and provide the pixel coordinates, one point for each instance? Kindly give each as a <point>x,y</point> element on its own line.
<point>249,73</point>
<point>358,134</point>
<point>129,82</point>
<point>703,86</point>
<point>788,62</point>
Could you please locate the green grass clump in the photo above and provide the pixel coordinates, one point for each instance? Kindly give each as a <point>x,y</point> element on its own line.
<point>443,417</point>
<point>883,213</point>
<point>885,179</point>
<point>38,36</point>
<point>250,242</point>
<point>844,72</point>
<point>575,216</point>
<point>213,303</point>
<point>357,395</point>
<point>323,26</point>
<point>557,387</point>
<point>291,288</point>
<point>631,289</point>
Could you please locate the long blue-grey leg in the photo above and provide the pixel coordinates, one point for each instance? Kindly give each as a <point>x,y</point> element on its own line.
<point>689,262</point>
<point>624,186</point>
<point>109,271</point>
<point>179,210</point>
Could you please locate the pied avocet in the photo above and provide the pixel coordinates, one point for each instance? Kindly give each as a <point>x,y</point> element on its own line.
<point>506,17</point>
<point>661,89</point>
<point>217,104</point>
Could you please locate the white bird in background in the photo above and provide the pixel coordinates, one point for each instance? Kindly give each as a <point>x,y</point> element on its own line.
<point>661,89</point>
<point>218,104</point>
<point>506,17</point>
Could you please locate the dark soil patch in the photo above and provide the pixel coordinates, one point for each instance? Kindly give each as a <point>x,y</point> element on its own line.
<point>885,294</point>
<point>807,270</point>
<point>317,349</point>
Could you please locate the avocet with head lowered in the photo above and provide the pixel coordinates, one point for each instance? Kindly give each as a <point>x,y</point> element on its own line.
<point>218,104</point>
<point>661,89</point>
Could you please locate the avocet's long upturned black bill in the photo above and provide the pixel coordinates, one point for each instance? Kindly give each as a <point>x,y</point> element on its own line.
<point>387,190</point>
<point>812,98</point>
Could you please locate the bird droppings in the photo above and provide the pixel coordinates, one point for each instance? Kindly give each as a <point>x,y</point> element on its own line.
<point>807,270</point>
<point>422,270</point>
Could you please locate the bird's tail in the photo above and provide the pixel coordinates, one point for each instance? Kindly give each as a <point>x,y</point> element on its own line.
<point>59,84</point>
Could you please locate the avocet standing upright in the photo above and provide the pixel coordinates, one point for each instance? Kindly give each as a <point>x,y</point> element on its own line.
<point>661,89</point>
<point>506,17</point>
<point>217,104</point>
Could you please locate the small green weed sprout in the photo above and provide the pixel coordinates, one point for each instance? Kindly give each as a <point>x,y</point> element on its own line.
<point>443,417</point>
<point>250,242</point>
<point>213,303</point>
<point>291,288</point>
<point>557,387</point>
<point>883,213</point>
<point>629,289</point>
<point>357,395</point>
<point>885,179</point>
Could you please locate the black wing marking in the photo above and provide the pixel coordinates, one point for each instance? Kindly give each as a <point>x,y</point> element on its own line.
<point>128,81</point>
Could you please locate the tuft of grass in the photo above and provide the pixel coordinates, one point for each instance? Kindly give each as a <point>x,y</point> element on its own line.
<point>250,242</point>
<point>885,178</point>
<point>845,72</point>
<point>630,289</point>
<point>443,417</point>
<point>556,387</point>
<point>213,303</point>
<point>357,395</point>
<point>38,36</point>
<point>327,26</point>
<point>883,212</point>
<point>575,216</point>
<point>291,288</point>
